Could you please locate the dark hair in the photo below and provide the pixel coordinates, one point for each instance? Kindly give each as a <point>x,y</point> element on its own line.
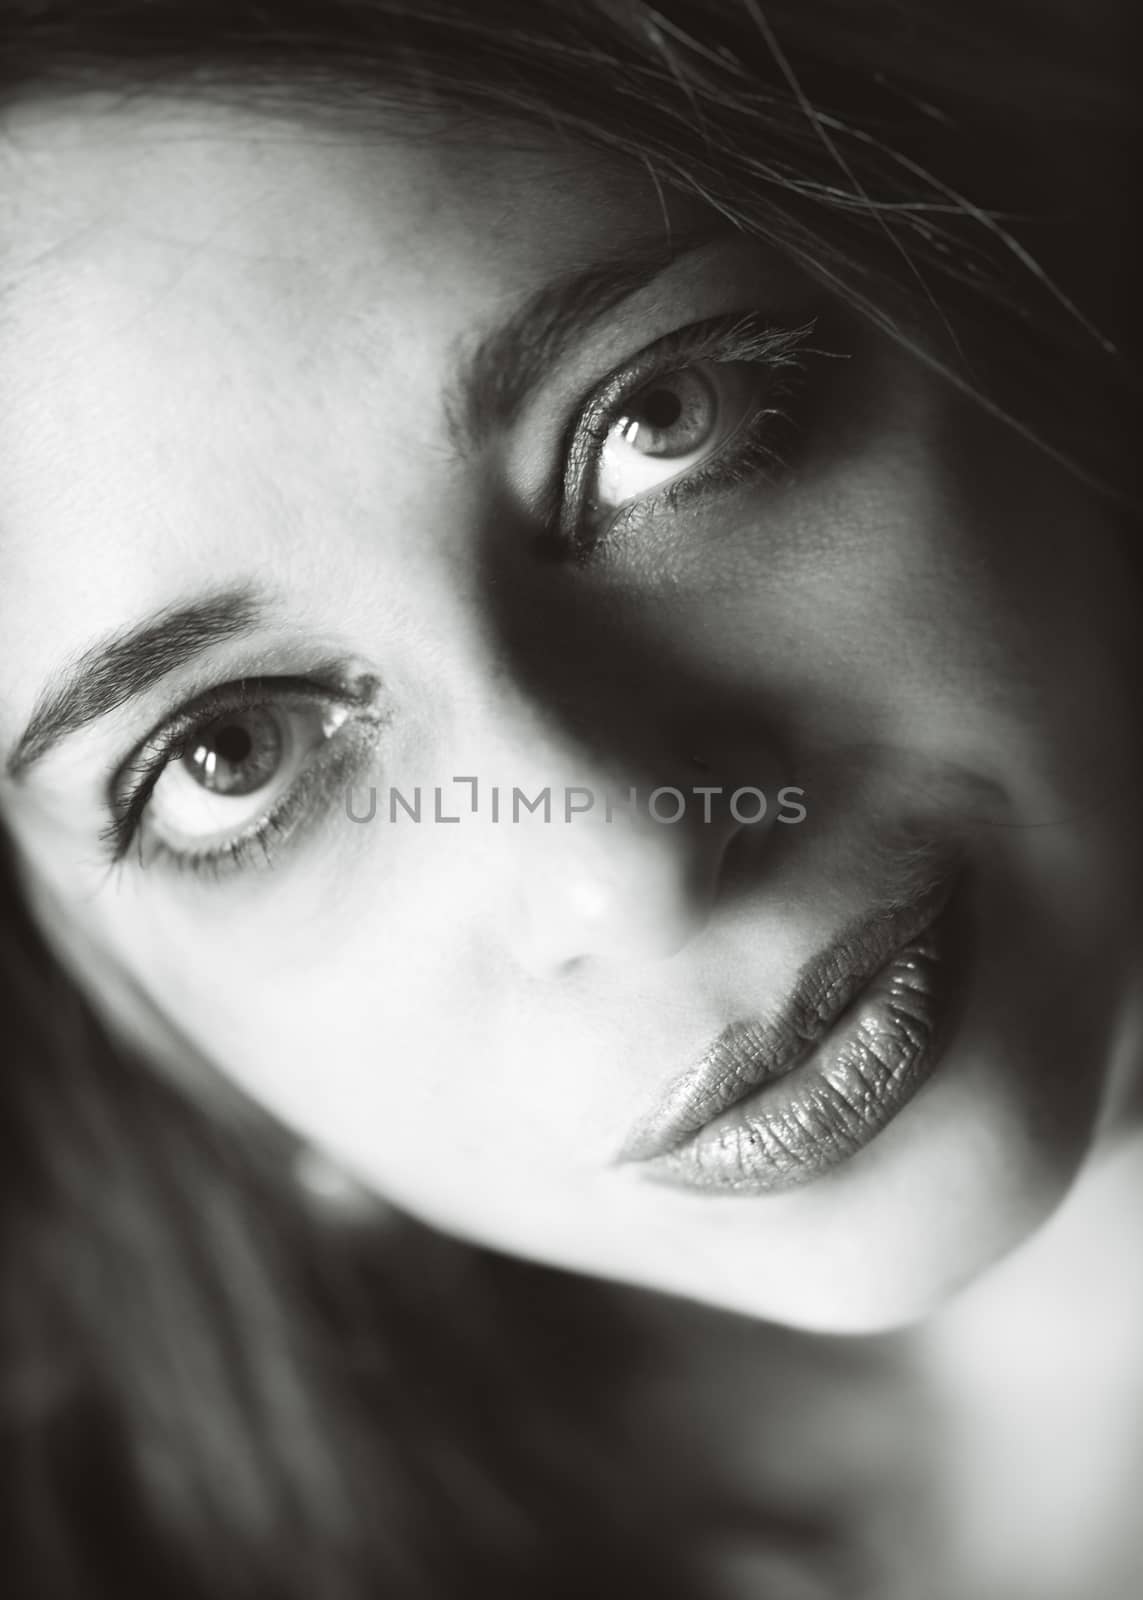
<point>207,1388</point>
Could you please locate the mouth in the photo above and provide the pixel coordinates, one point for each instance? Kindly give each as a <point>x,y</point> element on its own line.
<point>776,1103</point>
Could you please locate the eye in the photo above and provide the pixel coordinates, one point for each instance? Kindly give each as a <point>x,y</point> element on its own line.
<point>240,769</point>
<point>231,771</point>
<point>708,405</point>
<point>670,425</point>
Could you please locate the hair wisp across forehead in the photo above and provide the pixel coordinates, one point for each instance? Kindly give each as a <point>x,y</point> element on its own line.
<point>954,173</point>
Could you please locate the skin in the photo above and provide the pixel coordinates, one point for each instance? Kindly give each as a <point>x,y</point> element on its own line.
<point>229,351</point>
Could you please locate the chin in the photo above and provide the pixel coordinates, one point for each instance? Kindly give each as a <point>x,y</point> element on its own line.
<point>877,1304</point>
<point>892,1243</point>
<point>875,1298</point>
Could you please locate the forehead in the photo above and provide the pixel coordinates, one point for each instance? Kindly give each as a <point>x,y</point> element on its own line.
<point>181,172</point>
<point>128,226</point>
<point>219,332</point>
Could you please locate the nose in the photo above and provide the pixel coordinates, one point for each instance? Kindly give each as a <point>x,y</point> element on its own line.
<point>636,892</point>
<point>604,863</point>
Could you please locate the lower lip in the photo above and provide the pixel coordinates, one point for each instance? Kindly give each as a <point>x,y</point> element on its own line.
<point>867,1068</point>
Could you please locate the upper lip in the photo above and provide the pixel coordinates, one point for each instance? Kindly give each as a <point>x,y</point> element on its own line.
<point>750,1053</point>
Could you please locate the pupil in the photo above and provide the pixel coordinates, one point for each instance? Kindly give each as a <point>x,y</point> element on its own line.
<point>237,754</point>
<point>662,408</point>
<point>233,744</point>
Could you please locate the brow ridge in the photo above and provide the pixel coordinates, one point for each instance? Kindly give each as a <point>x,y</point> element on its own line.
<point>125,664</point>
<point>498,374</point>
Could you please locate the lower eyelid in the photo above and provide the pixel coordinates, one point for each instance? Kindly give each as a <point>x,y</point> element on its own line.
<point>723,468</point>
<point>327,772</point>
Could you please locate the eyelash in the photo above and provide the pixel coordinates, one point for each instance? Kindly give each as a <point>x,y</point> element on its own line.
<point>756,444</point>
<point>760,441</point>
<point>325,772</point>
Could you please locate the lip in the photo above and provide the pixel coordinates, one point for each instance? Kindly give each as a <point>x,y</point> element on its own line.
<point>776,1103</point>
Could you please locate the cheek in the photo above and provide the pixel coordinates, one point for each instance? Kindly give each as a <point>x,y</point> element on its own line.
<point>333,989</point>
<point>357,1001</point>
<point>943,590</point>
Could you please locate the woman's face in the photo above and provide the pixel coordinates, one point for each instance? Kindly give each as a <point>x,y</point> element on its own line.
<point>339,464</point>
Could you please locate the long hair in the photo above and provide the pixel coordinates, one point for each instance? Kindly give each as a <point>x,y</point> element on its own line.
<point>207,1389</point>
<point>211,1387</point>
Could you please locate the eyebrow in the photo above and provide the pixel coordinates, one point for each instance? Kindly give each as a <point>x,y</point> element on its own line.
<point>126,664</point>
<point>494,380</point>
<point>508,364</point>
